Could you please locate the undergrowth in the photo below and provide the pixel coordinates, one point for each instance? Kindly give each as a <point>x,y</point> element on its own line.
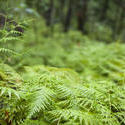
<point>61,79</point>
<point>59,96</point>
<point>93,59</point>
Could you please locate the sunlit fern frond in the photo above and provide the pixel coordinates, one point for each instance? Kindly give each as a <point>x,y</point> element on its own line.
<point>75,115</point>
<point>8,92</point>
<point>41,100</point>
<point>7,51</point>
<point>6,39</point>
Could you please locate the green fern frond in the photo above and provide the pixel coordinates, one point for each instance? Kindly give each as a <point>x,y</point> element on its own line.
<point>65,115</point>
<point>6,39</point>
<point>9,92</point>
<point>41,101</point>
<point>4,50</point>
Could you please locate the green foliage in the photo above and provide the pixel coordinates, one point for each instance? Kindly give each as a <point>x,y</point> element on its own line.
<point>8,37</point>
<point>59,96</point>
<point>97,30</point>
<point>9,83</point>
<point>93,59</point>
<point>60,78</point>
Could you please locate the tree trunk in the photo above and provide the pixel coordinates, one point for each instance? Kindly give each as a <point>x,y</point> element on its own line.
<point>50,13</point>
<point>82,15</point>
<point>119,23</point>
<point>120,20</point>
<point>61,10</point>
<point>68,18</point>
<point>104,9</point>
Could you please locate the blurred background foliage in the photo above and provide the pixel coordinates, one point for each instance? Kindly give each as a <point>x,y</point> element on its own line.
<point>101,20</point>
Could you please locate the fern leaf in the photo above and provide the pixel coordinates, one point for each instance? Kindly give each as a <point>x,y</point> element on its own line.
<point>41,101</point>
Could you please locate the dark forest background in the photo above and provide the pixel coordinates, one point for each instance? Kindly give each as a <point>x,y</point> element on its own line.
<point>100,19</point>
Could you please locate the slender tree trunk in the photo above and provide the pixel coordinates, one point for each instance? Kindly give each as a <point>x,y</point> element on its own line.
<point>119,23</point>
<point>82,15</point>
<point>50,13</point>
<point>104,9</point>
<point>120,20</point>
<point>61,10</point>
<point>68,18</point>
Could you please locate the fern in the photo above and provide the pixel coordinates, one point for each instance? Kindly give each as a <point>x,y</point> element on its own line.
<point>9,36</point>
<point>88,103</point>
<point>40,101</point>
<point>4,50</point>
<point>60,96</point>
<point>50,95</point>
<point>8,91</point>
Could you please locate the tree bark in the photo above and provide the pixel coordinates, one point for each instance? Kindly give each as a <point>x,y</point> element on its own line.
<point>68,18</point>
<point>104,9</point>
<point>120,20</point>
<point>119,23</point>
<point>50,13</point>
<point>61,10</point>
<point>82,15</point>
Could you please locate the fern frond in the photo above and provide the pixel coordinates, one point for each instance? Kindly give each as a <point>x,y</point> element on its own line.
<point>9,92</point>
<point>65,115</point>
<point>6,39</point>
<point>41,101</point>
<point>4,50</point>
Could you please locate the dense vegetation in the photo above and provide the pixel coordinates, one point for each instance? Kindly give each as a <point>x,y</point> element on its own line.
<point>51,77</point>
